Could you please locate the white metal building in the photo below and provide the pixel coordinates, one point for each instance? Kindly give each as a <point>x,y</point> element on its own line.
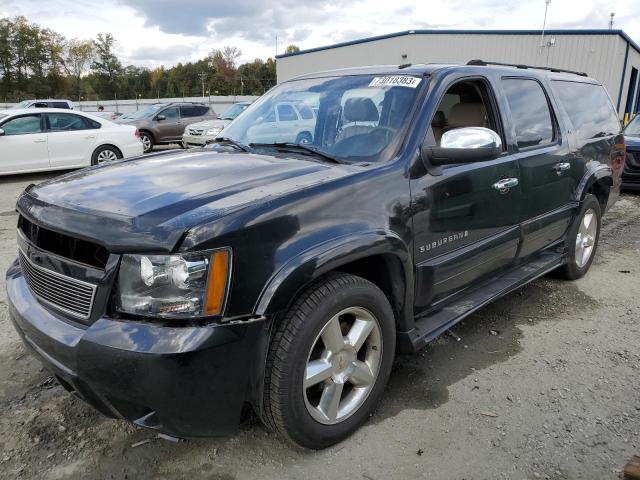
<point>610,56</point>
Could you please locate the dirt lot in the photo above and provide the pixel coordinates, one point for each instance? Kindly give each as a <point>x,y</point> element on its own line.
<point>545,383</point>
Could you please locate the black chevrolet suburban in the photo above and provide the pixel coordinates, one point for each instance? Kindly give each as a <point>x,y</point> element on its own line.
<point>264,272</point>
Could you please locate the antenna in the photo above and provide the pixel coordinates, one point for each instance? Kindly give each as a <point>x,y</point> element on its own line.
<point>611,15</point>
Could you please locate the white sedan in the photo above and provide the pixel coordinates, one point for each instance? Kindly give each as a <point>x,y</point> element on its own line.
<point>57,139</point>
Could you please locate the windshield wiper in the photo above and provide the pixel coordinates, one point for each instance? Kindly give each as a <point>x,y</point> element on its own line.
<point>298,146</point>
<point>229,141</point>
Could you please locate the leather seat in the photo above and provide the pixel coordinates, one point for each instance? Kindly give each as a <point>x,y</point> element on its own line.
<point>438,124</point>
<point>467,115</point>
<point>358,109</point>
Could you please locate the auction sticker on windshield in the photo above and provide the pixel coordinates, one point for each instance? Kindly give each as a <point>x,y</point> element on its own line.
<point>395,81</point>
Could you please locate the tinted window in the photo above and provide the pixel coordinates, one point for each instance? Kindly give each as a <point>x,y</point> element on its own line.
<point>202,111</point>
<point>171,113</point>
<point>190,111</point>
<point>529,111</point>
<point>22,125</point>
<point>589,109</point>
<point>66,122</point>
<point>286,113</point>
<point>60,105</point>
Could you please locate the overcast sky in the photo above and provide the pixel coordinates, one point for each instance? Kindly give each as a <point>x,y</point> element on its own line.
<point>164,32</point>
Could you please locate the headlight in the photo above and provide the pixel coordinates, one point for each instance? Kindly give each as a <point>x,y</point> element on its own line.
<point>214,131</point>
<point>185,285</point>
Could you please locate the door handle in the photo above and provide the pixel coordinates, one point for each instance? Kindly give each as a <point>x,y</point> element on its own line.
<point>561,167</point>
<point>90,137</point>
<point>40,140</point>
<point>505,184</point>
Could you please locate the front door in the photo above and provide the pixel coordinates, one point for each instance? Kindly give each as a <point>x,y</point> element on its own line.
<point>23,147</point>
<point>546,166</point>
<point>169,124</point>
<point>466,222</point>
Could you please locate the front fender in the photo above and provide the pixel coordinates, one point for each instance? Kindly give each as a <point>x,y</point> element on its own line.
<point>298,272</point>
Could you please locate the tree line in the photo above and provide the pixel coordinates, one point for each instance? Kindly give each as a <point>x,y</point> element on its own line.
<point>38,62</point>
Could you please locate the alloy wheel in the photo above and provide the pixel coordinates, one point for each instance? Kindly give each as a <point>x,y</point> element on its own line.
<point>146,142</point>
<point>107,156</point>
<point>586,238</point>
<point>343,365</point>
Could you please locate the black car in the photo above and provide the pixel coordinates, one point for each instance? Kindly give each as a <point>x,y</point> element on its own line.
<point>631,173</point>
<point>178,289</point>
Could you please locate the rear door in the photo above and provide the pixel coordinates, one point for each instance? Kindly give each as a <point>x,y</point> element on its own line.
<point>23,146</point>
<point>545,162</point>
<point>71,139</point>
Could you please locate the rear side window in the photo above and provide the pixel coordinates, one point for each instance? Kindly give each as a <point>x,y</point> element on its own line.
<point>189,111</point>
<point>202,111</point>
<point>530,112</point>
<point>286,113</point>
<point>589,109</point>
<point>305,112</point>
<point>66,122</point>
<point>60,105</point>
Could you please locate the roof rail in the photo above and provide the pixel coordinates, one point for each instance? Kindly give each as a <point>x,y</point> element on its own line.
<point>522,66</point>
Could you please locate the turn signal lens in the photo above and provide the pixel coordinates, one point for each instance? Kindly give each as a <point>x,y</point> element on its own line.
<point>218,279</point>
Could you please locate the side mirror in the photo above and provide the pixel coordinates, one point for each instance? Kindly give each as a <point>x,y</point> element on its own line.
<point>160,118</point>
<point>1,132</point>
<point>464,145</point>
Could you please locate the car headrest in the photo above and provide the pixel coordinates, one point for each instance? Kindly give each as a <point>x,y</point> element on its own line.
<point>439,120</point>
<point>467,115</point>
<point>360,109</point>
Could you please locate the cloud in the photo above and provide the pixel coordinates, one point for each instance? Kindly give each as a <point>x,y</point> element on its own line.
<point>161,54</point>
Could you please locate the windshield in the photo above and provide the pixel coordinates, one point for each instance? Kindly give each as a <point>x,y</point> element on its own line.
<point>233,111</point>
<point>23,104</point>
<point>633,129</point>
<point>145,112</point>
<point>351,118</point>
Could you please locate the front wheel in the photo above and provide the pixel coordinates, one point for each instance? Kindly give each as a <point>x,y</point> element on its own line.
<point>582,239</point>
<point>329,361</point>
<point>147,141</point>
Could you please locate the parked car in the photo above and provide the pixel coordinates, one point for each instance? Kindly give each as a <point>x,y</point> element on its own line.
<point>198,134</point>
<point>631,173</point>
<point>177,289</point>
<point>164,123</point>
<point>113,116</point>
<point>57,139</point>
<point>47,103</point>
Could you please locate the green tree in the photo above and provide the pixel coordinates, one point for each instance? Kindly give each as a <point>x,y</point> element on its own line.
<point>292,49</point>
<point>78,58</point>
<point>106,65</point>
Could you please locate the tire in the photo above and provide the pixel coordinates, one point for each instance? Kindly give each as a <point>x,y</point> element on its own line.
<point>147,141</point>
<point>304,138</point>
<point>582,239</point>
<point>105,154</point>
<point>289,407</point>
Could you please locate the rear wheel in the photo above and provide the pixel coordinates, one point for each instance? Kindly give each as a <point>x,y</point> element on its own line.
<point>582,239</point>
<point>329,361</point>
<point>147,141</point>
<point>105,154</point>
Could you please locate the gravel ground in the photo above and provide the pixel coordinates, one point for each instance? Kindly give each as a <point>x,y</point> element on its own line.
<point>542,384</point>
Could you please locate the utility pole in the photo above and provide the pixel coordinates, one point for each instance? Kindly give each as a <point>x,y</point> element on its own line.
<point>202,78</point>
<point>276,44</point>
<point>611,15</point>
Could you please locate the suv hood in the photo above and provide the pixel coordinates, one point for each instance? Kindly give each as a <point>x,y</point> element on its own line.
<point>149,203</point>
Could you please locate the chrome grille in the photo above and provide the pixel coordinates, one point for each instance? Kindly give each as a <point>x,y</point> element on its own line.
<point>66,294</point>
<point>196,132</point>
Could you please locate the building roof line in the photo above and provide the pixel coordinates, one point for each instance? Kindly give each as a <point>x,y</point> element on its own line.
<point>595,31</point>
